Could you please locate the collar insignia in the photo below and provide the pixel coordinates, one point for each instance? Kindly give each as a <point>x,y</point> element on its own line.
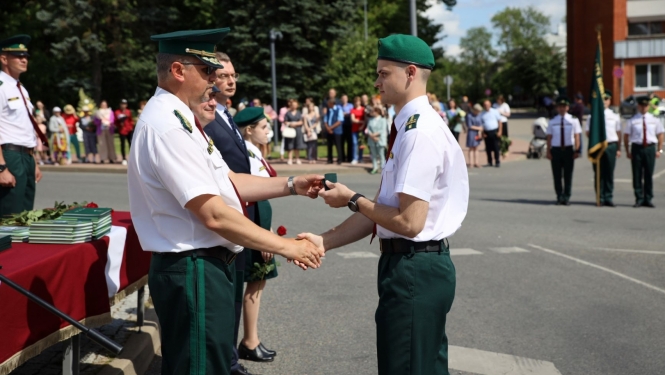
<point>0,83</point>
<point>210,146</point>
<point>183,120</point>
<point>392,155</point>
<point>251,154</point>
<point>412,123</point>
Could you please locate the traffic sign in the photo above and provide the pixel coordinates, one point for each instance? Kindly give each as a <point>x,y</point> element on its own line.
<point>448,80</point>
<point>618,73</point>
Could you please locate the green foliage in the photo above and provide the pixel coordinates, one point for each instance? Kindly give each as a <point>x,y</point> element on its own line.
<point>351,68</point>
<point>26,218</point>
<point>521,28</point>
<point>477,61</point>
<point>261,270</point>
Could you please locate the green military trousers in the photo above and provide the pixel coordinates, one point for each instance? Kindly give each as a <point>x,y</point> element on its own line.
<point>643,162</point>
<point>607,163</point>
<point>22,196</point>
<point>193,299</point>
<point>416,291</point>
<point>562,161</point>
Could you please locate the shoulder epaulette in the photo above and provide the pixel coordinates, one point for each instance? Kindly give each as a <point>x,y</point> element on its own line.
<point>183,120</point>
<point>1,83</point>
<point>412,123</point>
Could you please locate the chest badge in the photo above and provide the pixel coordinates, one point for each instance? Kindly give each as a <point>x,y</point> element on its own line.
<point>412,122</point>
<point>210,146</point>
<point>392,155</point>
<point>185,123</point>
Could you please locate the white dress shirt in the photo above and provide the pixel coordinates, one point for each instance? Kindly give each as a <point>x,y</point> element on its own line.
<point>15,125</point>
<point>427,163</point>
<point>256,161</point>
<point>612,125</point>
<point>635,128</point>
<point>169,166</point>
<point>571,126</point>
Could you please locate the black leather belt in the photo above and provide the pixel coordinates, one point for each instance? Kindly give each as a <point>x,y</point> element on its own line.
<point>225,255</point>
<point>565,147</point>
<point>11,147</point>
<point>401,245</point>
<point>640,145</point>
<point>611,143</point>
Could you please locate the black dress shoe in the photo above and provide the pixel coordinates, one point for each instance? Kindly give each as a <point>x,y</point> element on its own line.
<point>241,371</point>
<point>637,205</point>
<point>558,203</point>
<point>266,350</point>
<point>566,203</point>
<point>609,204</point>
<point>648,204</point>
<point>255,355</point>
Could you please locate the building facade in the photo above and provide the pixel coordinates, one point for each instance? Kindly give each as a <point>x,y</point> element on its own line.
<point>633,46</point>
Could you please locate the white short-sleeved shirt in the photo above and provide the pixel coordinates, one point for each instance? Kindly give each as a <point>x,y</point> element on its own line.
<point>612,125</point>
<point>168,166</point>
<point>635,128</point>
<point>15,125</point>
<point>571,126</point>
<point>505,108</point>
<point>256,161</point>
<point>427,163</point>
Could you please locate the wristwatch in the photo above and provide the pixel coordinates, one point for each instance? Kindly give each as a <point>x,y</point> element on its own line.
<point>3,167</point>
<point>353,202</point>
<point>292,188</point>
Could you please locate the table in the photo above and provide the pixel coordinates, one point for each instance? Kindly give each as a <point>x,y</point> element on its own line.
<point>73,278</point>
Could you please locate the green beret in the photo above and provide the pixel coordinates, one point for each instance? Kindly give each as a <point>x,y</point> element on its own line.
<point>16,45</point>
<point>406,49</point>
<point>608,94</point>
<point>642,100</point>
<point>562,100</point>
<point>249,116</point>
<point>201,44</point>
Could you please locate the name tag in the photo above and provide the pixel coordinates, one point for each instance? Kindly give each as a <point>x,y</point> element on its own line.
<point>11,99</point>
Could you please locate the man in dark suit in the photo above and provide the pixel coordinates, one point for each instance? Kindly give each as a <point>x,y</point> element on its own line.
<point>224,133</point>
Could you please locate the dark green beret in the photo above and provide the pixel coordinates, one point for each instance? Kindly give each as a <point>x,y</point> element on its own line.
<point>562,100</point>
<point>16,45</point>
<point>201,44</point>
<point>406,49</point>
<point>248,116</point>
<point>608,94</point>
<point>642,100</point>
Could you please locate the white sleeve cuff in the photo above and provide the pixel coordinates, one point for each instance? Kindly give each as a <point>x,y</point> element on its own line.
<point>409,190</point>
<point>195,192</point>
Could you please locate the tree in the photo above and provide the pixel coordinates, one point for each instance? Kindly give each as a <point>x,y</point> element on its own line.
<point>520,28</point>
<point>478,56</point>
<point>351,68</point>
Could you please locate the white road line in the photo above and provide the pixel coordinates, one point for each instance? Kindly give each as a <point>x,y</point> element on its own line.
<point>636,281</point>
<point>358,254</point>
<point>624,180</point>
<point>631,251</point>
<point>659,174</point>
<point>464,252</point>
<point>490,363</point>
<point>508,250</point>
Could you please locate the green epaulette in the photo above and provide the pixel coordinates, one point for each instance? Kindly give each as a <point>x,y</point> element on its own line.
<point>412,123</point>
<point>183,120</point>
<point>1,83</point>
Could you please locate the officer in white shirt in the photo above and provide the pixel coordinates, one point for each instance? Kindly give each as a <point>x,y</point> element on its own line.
<point>641,135</point>
<point>612,152</point>
<point>18,130</point>
<point>422,201</point>
<point>563,141</point>
<point>188,213</point>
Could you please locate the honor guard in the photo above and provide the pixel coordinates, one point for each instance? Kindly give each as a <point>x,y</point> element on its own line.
<point>18,130</point>
<point>188,213</point>
<point>422,201</point>
<point>563,141</point>
<point>612,152</point>
<point>643,137</point>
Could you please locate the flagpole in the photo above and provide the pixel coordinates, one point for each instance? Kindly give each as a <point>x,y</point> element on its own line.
<point>597,162</point>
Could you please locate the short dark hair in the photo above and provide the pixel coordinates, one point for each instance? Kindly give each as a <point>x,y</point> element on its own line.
<point>221,56</point>
<point>164,62</point>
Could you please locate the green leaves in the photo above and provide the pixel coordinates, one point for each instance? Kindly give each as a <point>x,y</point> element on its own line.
<point>26,218</point>
<point>261,270</point>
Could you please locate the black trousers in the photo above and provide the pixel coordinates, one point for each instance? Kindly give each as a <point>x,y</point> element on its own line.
<point>492,146</point>
<point>347,140</point>
<point>125,138</point>
<point>643,162</point>
<point>563,161</point>
<point>335,139</point>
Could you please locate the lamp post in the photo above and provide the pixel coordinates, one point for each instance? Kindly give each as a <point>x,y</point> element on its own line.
<point>274,35</point>
<point>412,11</point>
<point>365,20</point>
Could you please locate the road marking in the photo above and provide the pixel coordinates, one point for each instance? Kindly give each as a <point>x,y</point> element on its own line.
<point>631,251</point>
<point>600,268</point>
<point>659,174</point>
<point>508,250</point>
<point>624,180</point>
<point>628,180</point>
<point>490,363</point>
<point>464,252</point>
<point>358,254</point>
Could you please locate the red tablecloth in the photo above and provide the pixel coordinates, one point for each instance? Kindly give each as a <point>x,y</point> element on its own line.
<point>72,278</point>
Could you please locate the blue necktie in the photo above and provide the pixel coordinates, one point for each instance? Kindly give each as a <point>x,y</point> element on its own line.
<point>233,124</point>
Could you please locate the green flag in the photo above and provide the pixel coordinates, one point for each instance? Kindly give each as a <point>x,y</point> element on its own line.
<point>597,136</point>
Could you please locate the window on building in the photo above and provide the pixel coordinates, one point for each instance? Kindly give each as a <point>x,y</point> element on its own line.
<point>645,28</point>
<point>648,76</point>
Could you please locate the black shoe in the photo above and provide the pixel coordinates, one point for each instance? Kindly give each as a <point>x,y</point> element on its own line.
<point>648,204</point>
<point>498,165</point>
<point>241,371</point>
<point>255,355</point>
<point>637,205</point>
<point>609,204</point>
<point>558,203</point>
<point>566,203</point>
<point>269,352</point>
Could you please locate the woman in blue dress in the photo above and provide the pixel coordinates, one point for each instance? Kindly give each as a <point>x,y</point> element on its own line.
<point>474,129</point>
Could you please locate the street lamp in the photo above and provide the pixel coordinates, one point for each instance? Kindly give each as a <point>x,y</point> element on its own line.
<point>412,11</point>
<point>365,20</point>
<point>274,35</point>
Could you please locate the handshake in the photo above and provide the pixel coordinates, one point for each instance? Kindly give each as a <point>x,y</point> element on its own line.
<point>307,249</point>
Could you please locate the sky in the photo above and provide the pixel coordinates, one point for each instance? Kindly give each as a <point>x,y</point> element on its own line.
<point>474,13</point>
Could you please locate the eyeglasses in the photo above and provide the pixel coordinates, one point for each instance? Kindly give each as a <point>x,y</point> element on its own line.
<point>208,70</point>
<point>227,77</point>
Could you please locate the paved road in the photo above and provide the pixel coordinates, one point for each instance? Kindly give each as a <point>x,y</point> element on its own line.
<point>580,287</point>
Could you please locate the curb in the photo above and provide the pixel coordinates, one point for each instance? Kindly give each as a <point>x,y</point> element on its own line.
<point>139,351</point>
